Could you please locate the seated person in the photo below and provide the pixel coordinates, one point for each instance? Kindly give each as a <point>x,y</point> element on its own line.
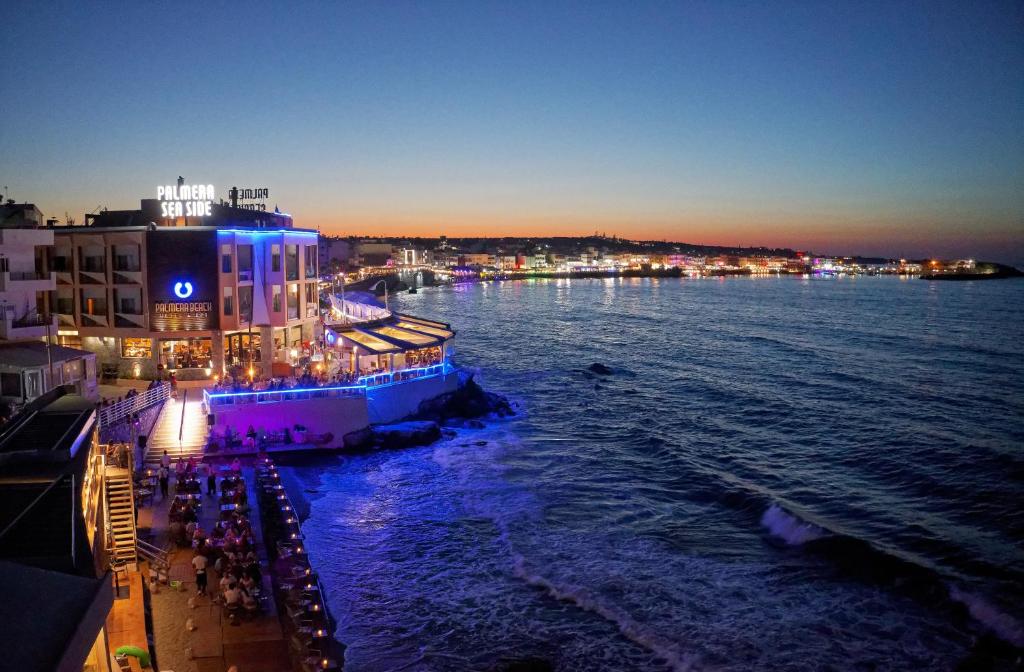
<point>232,596</point>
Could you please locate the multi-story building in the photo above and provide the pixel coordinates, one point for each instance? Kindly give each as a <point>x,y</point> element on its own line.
<point>26,284</point>
<point>373,253</point>
<point>189,286</point>
<point>415,256</point>
<point>334,252</point>
<point>476,259</point>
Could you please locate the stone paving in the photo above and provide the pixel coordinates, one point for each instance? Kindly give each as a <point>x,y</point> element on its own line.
<point>216,642</point>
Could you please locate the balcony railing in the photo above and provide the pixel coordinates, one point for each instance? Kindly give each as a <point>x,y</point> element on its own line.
<point>28,275</point>
<point>31,321</point>
<point>364,383</point>
<point>214,399</point>
<point>405,375</point>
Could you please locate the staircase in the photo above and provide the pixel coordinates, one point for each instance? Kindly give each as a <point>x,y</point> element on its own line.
<point>181,430</point>
<point>120,517</point>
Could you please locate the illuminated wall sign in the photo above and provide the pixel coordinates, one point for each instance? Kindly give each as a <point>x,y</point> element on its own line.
<point>249,198</point>
<point>183,290</point>
<point>185,200</point>
<point>182,279</point>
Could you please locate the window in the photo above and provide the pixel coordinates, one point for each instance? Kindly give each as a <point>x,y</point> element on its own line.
<point>277,298</point>
<point>93,258</point>
<point>94,302</point>
<point>310,260</point>
<point>127,300</point>
<point>136,348</point>
<point>245,262</point>
<point>312,300</point>
<point>225,258</point>
<point>293,302</point>
<point>275,258</point>
<point>229,301</point>
<point>65,301</point>
<point>245,303</point>
<point>62,259</point>
<point>10,384</point>
<point>126,258</point>
<point>291,262</point>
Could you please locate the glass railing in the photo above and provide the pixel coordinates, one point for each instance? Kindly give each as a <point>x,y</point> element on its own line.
<point>403,375</point>
<point>358,389</point>
<point>213,399</point>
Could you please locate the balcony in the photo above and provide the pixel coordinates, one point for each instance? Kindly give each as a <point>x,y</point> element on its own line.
<point>27,281</point>
<point>31,326</point>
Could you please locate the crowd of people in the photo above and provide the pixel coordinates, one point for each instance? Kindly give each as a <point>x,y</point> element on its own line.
<point>229,547</point>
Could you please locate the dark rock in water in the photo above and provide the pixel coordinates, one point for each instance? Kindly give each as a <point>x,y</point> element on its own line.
<point>600,369</point>
<point>398,435</point>
<point>527,665</point>
<point>361,438</point>
<point>405,434</point>
<point>468,402</point>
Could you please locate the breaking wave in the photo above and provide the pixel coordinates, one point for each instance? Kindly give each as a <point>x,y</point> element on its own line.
<point>788,527</point>
<point>1003,625</point>
<point>585,599</point>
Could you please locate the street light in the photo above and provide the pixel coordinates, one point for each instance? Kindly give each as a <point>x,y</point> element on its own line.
<point>374,286</point>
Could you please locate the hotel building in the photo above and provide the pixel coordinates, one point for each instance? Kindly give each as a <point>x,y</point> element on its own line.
<point>188,285</point>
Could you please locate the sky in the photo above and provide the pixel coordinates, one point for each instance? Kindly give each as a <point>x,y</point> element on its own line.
<point>888,128</point>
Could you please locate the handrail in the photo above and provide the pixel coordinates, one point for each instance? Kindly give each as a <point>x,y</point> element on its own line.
<point>181,426</point>
<point>115,412</point>
<point>152,553</point>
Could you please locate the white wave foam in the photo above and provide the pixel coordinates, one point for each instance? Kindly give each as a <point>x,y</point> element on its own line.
<point>788,527</point>
<point>999,622</point>
<point>677,659</point>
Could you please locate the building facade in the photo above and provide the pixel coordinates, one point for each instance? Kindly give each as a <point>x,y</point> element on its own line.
<point>209,289</point>
<point>26,284</point>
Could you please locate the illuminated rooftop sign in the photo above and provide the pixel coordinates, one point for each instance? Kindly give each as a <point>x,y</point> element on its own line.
<point>185,200</point>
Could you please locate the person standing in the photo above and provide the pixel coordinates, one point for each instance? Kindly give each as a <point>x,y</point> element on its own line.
<point>163,474</point>
<point>211,479</point>
<point>199,563</point>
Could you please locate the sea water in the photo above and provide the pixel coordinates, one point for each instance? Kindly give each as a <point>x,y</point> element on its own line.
<point>779,474</point>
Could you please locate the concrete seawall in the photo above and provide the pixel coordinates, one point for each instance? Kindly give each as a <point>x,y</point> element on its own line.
<point>389,403</point>
<point>339,416</point>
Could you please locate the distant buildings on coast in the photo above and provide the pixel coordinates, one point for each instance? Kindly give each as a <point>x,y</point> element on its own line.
<point>523,257</point>
<point>207,287</point>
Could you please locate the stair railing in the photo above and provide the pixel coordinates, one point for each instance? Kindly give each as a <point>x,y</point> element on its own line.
<point>159,558</point>
<point>124,408</point>
<point>181,425</point>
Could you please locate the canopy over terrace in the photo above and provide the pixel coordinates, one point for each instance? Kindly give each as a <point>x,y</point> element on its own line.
<point>398,342</point>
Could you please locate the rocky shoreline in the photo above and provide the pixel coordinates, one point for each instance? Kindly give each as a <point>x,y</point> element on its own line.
<point>434,419</point>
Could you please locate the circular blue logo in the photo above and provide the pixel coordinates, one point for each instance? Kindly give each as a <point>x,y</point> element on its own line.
<point>183,290</point>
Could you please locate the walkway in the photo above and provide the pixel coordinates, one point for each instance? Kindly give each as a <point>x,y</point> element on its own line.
<point>254,645</point>
<point>191,429</point>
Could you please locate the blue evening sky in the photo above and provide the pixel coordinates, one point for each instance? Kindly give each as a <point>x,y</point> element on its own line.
<point>883,128</point>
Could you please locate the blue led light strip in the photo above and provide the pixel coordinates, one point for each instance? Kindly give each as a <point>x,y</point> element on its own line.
<point>256,232</point>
